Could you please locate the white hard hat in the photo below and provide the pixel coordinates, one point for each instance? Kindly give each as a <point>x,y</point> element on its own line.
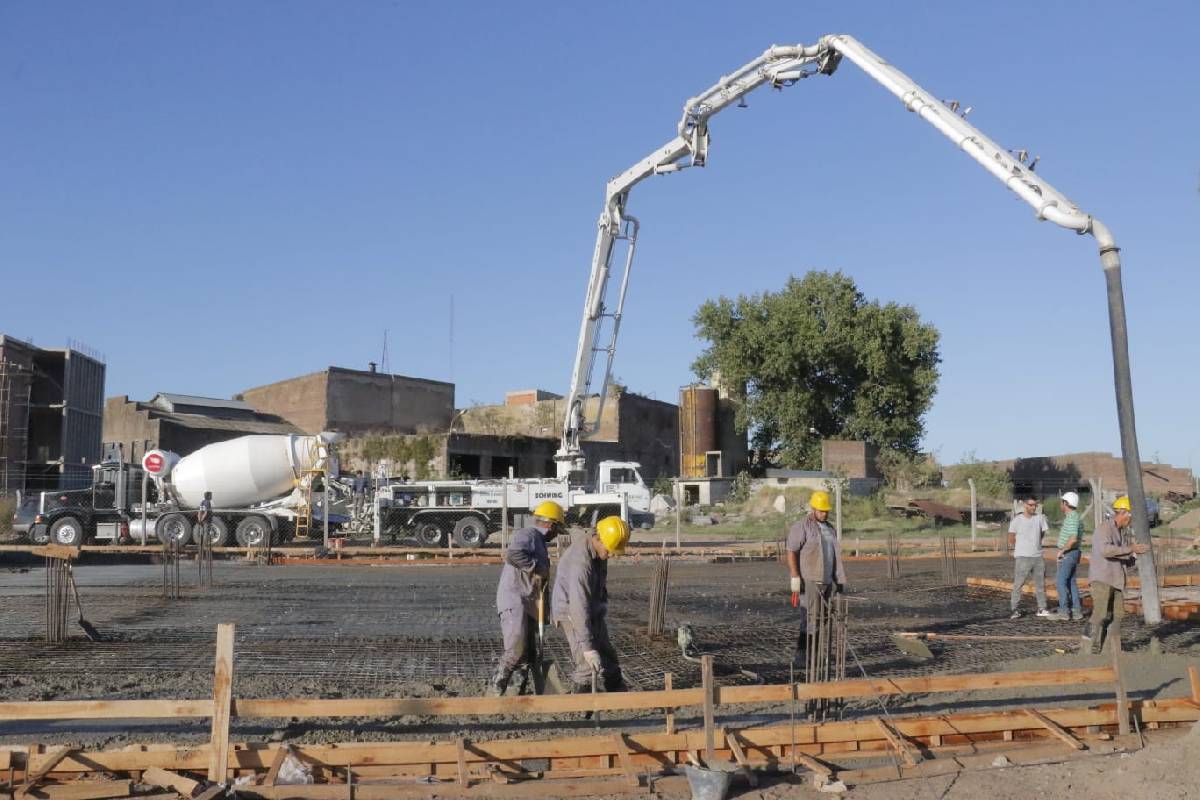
<point>1071,499</point>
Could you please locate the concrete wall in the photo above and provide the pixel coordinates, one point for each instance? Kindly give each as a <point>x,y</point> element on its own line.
<point>849,458</point>
<point>301,401</point>
<point>360,401</point>
<point>357,402</point>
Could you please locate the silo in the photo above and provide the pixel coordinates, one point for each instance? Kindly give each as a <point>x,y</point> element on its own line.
<point>697,429</point>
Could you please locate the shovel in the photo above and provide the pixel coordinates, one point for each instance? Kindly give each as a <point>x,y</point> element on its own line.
<point>89,630</point>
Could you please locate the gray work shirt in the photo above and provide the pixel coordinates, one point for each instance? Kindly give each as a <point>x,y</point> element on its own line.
<point>526,556</point>
<point>1110,556</point>
<point>580,596</point>
<point>819,551</point>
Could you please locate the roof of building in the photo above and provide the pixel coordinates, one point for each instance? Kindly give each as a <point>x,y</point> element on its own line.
<point>200,422</point>
<point>167,402</point>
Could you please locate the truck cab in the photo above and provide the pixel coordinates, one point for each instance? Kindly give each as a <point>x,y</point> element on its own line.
<point>73,516</point>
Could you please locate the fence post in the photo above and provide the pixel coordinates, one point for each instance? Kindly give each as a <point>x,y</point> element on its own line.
<point>974,511</point>
<point>678,511</point>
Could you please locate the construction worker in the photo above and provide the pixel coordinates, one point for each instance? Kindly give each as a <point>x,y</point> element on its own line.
<point>1111,554</point>
<point>814,557</point>
<point>581,604</point>
<point>522,582</point>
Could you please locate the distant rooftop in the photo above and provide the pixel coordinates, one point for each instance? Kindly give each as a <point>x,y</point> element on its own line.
<point>169,402</point>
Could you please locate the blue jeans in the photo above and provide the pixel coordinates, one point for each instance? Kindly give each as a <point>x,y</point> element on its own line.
<point>1068,586</point>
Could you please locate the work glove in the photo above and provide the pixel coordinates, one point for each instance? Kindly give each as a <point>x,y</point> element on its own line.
<point>592,657</point>
<point>538,582</point>
<point>797,586</point>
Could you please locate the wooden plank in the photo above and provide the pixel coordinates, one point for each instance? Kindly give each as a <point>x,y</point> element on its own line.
<point>104,709</point>
<point>896,739</point>
<point>52,759</point>
<point>631,776</point>
<point>1194,677</point>
<point>545,704</point>
<point>707,683</point>
<point>83,790</point>
<point>460,747</point>
<point>963,637</point>
<point>222,696</point>
<point>667,685</point>
<point>739,755</point>
<point>1056,729</point>
<point>211,793</point>
<point>813,765</point>
<point>518,790</point>
<point>170,780</point>
<point>1119,682</point>
<point>281,754</point>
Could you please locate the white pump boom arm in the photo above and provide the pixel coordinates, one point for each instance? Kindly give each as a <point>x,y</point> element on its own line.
<point>783,66</point>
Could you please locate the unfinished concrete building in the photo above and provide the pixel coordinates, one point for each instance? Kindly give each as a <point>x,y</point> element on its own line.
<point>522,436</point>
<point>50,416</point>
<point>181,423</point>
<point>1046,476</point>
<point>357,402</point>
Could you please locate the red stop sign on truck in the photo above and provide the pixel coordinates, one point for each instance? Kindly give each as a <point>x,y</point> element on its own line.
<point>153,462</point>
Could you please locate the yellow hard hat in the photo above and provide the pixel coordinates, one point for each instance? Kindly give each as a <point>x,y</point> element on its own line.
<point>614,533</point>
<point>1122,504</point>
<point>820,501</point>
<point>548,509</point>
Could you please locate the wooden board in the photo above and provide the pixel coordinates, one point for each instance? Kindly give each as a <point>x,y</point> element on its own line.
<point>84,790</point>
<point>222,696</point>
<point>34,777</point>
<point>896,740</point>
<point>166,779</point>
<point>1056,729</point>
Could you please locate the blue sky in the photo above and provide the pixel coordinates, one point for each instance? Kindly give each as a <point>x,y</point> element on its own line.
<point>220,195</point>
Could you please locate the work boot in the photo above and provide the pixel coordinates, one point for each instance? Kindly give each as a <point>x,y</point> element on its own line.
<point>500,680</point>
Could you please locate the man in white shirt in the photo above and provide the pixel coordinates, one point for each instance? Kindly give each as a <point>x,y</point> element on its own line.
<point>1025,532</point>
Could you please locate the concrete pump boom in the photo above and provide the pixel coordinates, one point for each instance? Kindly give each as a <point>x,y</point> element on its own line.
<point>782,66</point>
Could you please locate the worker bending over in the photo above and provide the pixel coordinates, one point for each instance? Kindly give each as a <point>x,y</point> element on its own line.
<point>814,557</point>
<point>523,581</point>
<point>581,604</point>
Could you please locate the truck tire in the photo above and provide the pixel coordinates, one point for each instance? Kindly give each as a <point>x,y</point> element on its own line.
<point>430,533</point>
<point>218,532</point>
<point>41,537</point>
<point>253,531</point>
<point>173,528</point>
<point>67,531</point>
<point>471,531</point>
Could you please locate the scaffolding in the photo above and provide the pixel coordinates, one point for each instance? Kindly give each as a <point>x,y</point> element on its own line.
<point>15,387</point>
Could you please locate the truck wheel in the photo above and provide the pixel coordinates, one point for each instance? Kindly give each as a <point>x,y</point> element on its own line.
<point>174,529</point>
<point>42,535</point>
<point>218,532</point>
<point>431,534</point>
<point>470,531</point>
<point>67,531</point>
<point>253,532</point>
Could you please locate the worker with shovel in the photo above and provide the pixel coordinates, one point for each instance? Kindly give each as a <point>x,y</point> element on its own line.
<point>581,605</point>
<point>520,597</point>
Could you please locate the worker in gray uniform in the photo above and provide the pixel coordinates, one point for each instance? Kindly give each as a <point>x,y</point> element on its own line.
<point>523,581</point>
<point>815,566</point>
<point>580,603</point>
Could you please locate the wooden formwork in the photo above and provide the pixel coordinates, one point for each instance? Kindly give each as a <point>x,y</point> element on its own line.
<point>612,763</point>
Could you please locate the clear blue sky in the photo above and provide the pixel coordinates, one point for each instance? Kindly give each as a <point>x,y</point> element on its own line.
<point>220,195</point>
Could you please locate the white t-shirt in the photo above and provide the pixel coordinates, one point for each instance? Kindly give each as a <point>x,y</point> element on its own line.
<point>1029,532</point>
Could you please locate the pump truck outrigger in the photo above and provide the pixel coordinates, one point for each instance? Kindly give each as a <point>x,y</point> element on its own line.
<point>780,67</point>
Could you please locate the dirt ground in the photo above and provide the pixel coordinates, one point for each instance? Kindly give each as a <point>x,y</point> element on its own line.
<point>430,631</point>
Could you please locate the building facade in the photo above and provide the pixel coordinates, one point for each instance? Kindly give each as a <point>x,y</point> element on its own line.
<point>357,402</point>
<point>181,423</point>
<point>51,403</point>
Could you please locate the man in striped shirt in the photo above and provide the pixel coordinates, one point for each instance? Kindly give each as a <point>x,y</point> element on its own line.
<point>1070,606</point>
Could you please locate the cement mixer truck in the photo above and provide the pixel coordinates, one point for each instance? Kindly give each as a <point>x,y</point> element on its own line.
<point>259,485</point>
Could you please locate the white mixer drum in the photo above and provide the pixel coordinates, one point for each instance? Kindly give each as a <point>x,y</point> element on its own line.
<point>244,471</point>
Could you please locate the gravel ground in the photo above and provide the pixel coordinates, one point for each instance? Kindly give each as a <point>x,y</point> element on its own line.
<point>430,631</point>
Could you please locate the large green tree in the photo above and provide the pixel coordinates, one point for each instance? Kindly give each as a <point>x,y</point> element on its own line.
<point>818,360</point>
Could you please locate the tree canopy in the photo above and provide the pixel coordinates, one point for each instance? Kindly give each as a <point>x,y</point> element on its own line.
<point>817,360</point>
